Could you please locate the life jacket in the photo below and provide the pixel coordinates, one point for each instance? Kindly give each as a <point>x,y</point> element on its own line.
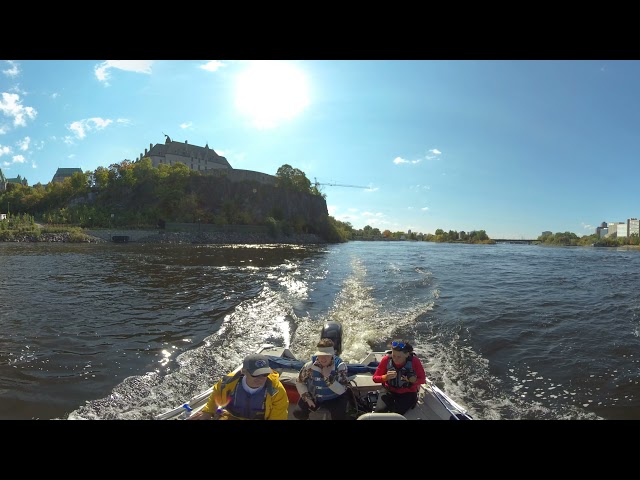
<point>405,371</point>
<point>243,404</point>
<point>318,387</point>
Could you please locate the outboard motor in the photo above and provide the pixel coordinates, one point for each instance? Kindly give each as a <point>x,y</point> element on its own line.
<point>333,330</point>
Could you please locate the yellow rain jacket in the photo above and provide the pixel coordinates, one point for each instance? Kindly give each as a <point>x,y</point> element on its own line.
<point>270,403</point>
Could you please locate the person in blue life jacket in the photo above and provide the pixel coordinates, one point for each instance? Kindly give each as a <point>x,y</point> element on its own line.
<point>255,392</point>
<point>401,375</point>
<point>322,382</point>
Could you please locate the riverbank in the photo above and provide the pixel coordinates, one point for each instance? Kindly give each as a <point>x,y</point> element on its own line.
<point>207,238</point>
<point>153,236</point>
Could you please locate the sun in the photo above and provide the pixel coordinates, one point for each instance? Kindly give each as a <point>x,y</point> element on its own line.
<point>270,92</point>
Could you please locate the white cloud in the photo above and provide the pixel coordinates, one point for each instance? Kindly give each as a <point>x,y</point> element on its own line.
<point>186,125</point>
<point>424,209</point>
<point>24,143</point>
<point>13,69</point>
<point>10,106</point>
<point>433,154</point>
<point>400,160</point>
<point>55,95</point>
<point>373,215</point>
<point>212,65</point>
<point>138,66</point>
<point>18,159</point>
<point>81,127</point>
<point>4,150</point>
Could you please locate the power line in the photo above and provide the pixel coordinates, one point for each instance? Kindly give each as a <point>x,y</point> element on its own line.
<point>336,184</point>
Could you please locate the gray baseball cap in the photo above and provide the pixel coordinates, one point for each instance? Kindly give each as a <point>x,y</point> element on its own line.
<point>256,364</point>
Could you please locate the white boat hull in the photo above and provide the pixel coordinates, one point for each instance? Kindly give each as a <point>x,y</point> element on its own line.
<point>433,403</point>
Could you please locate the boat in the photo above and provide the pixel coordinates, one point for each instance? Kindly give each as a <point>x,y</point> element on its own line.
<point>433,403</point>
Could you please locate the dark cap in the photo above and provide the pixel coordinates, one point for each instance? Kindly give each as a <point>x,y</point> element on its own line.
<point>256,364</point>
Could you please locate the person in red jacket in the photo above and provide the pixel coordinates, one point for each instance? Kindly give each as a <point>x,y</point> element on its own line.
<point>401,375</point>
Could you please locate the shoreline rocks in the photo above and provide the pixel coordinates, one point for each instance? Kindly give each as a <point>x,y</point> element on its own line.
<point>168,237</point>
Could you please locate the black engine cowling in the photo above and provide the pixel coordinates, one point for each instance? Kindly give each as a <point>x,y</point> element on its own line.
<point>333,330</point>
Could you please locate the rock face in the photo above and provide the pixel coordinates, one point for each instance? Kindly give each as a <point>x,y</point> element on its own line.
<point>219,195</point>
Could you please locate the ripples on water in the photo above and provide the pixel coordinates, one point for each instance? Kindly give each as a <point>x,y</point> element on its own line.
<point>128,331</point>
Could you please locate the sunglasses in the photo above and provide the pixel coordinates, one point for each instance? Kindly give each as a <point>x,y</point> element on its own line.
<point>399,345</point>
<point>264,375</point>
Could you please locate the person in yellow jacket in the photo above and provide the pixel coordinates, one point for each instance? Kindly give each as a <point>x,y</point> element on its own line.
<point>253,393</point>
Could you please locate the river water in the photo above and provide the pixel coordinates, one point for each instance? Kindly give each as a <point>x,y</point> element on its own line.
<point>127,331</point>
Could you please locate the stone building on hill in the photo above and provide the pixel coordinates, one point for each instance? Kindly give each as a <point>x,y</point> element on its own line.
<point>202,159</point>
<point>197,158</point>
<point>63,173</point>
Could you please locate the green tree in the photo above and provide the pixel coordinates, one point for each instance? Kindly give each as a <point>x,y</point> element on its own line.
<point>293,178</point>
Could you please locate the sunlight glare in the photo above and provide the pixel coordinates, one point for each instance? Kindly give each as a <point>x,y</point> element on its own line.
<point>269,92</point>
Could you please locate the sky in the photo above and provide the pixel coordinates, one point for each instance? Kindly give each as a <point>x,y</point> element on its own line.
<point>512,147</point>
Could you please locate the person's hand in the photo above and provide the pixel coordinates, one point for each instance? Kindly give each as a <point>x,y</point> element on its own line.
<point>311,403</point>
<point>200,416</point>
<point>390,375</point>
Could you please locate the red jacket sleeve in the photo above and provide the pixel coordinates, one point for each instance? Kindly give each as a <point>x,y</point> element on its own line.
<point>382,370</point>
<point>419,369</point>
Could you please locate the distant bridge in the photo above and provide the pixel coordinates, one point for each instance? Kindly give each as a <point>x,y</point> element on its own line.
<point>517,241</point>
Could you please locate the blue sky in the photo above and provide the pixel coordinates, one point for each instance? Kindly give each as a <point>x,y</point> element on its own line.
<point>513,147</point>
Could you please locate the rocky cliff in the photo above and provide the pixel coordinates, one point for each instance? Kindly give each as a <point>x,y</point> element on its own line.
<point>219,196</point>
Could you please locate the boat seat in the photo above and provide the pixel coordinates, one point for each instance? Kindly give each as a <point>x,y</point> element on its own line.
<point>382,416</point>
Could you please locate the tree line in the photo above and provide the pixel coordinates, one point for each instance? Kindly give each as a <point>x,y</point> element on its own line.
<point>66,203</point>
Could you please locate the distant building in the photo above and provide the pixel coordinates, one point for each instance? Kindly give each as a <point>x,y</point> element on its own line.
<point>194,157</point>
<point>4,181</point>
<point>633,226</point>
<point>63,173</point>
<point>546,232</point>
<point>621,229</point>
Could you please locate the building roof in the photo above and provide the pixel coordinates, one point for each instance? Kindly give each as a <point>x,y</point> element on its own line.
<point>186,150</point>
<point>67,172</point>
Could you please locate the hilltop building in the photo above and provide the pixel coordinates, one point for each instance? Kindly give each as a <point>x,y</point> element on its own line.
<point>4,181</point>
<point>63,173</point>
<point>202,159</point>
<point>194,157</point>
